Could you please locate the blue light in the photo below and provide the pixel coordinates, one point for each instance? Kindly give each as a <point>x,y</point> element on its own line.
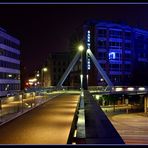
<point>88,39</point>
<point>112,56</point>
<point>88,64</point>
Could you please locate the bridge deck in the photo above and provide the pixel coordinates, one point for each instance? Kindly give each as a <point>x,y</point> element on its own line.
<point>49,123</point>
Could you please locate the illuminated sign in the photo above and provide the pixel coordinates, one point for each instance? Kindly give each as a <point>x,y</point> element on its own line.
<point>88,64</point>
<point>88,39</point>
<point>88,47</point>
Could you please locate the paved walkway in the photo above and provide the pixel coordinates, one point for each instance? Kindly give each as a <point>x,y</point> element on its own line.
<point>133,128</point>
<point>49,123</point>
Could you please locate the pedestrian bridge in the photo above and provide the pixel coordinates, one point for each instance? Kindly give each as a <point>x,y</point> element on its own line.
<point>65,119</point>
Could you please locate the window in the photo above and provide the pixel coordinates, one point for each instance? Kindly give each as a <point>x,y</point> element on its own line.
<point>127,45</point>
<point>127,67</point>
<point>102,44</point>
<point>115,34</point>
<point>115,67</point>
<point>115,44</point>
<point>102,32</point>
<point>116,78</point>
<point>128,35</point>
<point>114,56</point>
<point>127,56</point>
<point>102,56</point>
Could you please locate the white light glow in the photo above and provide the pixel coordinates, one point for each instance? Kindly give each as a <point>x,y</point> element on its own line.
<point>130,88</point>
<point>81,48</point>
<point>97,97</point>
<point>119,89</point>
<point>33,80</point>
<point>141,88</point>
<point>37,75</point>
<point>9,75</point>
<point>45,69</point>
<point>101,79</point>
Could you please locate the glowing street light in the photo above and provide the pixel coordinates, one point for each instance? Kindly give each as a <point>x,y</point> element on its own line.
<point>81,48</point>
<point>45,69</point>
<point>37,74</point>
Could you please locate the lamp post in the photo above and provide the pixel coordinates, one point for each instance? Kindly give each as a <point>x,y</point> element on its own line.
<point>84,72</point>
<point>43,76</point>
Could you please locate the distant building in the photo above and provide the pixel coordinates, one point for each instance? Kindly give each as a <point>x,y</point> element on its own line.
<point>9,63</point>
<point>120,49</point>
<point>56,64</point>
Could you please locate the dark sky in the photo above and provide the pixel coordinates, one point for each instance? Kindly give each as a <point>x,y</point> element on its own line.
<point>45,28</point>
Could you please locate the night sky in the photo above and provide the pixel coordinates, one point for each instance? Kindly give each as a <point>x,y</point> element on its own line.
<point>45,28</point>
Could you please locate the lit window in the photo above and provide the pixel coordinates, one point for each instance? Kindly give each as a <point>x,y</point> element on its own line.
<point>112,55</point>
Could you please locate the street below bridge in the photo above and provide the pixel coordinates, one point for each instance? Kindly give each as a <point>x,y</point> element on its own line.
<point>49,123</point>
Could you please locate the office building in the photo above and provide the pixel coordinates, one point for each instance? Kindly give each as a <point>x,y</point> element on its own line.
<point>57,63</point>
<point>9,63</point>
<point>119,48</point>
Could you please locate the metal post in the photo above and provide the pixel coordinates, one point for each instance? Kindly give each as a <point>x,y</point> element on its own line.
<point>1,108</point>
<point>84,71</point>
<point>22,102</point>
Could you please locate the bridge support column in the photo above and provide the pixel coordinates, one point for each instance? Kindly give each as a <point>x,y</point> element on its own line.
<point>146,104</point>
<point>84,71</point>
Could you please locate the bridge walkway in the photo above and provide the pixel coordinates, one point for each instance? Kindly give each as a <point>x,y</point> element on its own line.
<point>49,123</point>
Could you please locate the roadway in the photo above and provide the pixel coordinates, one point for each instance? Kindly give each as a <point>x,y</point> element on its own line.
<point>48,123</point>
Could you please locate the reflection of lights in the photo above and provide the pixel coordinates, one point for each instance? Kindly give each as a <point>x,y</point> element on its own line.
<point>119,89</point>
<point>10,99</point>
<point>130,88</point>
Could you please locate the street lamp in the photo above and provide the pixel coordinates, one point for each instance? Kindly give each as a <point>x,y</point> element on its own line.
<point>84,73</point>
<point>81,48</point>
<point>44,69</point>
<point>43,76</point>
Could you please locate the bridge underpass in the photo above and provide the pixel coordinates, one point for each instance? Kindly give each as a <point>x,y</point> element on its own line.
<point>49,123</point>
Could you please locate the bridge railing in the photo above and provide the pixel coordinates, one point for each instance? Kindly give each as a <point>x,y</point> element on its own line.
<point>12,106</point>
<point>116,89</point>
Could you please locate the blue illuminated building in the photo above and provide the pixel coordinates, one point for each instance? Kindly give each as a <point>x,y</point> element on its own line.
<point>9,63</point>
<point>119,48</point>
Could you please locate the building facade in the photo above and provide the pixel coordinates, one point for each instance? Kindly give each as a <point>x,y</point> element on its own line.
<point>56,64</point>
<point>9,63</point>
<point>120,49</point>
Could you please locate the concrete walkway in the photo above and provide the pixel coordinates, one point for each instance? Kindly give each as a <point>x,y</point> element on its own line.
<point>133,128</point>
<point>49,123</point>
